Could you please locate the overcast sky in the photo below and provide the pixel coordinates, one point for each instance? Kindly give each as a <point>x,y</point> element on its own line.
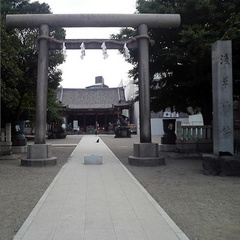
<point>78,73</point>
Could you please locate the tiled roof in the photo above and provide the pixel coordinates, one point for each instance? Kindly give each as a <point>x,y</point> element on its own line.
<point>98,98</point>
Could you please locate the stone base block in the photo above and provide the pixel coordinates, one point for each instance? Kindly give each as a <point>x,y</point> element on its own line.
<point>168,139</point>
<point>19,149</point>
<point>146,154</point>
<point>145,150</point>
<point>167,147</point>
<point>19,142</point>
<point>39,162</point>
<point>146,161</point>
<point>93,159</point>
<point>194,146</point>
<point>11,156</point>
<point>5,148</point>
<point>221,165</point>
<point>39,155</point>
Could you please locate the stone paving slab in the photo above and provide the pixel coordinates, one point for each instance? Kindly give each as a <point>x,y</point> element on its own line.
<point>97,202</point>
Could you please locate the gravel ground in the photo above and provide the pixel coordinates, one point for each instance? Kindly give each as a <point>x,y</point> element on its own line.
<point>204,207</point>
<point>22,187</point>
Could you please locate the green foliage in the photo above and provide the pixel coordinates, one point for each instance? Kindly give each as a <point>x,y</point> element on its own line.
<point>54,108</point>
<point>182,57</point>
<point>233,23</point>
<point>19,63</point>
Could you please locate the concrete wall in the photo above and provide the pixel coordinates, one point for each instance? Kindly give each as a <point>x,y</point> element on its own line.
<point>130,92</point>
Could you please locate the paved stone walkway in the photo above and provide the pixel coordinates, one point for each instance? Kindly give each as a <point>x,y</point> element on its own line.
<point>101,202</point>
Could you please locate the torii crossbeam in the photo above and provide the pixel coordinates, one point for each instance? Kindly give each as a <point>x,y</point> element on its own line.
<point>145,153</point>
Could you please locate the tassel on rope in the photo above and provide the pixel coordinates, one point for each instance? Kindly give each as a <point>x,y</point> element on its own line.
<point>104,49</point>
<point>126,52</point>
<point>64,51</point>
<point>82,46</point>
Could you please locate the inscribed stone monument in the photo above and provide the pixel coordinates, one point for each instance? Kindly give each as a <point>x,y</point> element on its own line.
<point>222,97</point>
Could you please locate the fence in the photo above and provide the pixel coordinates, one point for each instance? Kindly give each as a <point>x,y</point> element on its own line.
<point>194,138</point>
<point>5,143</point>
<point>200,138</point>
<point>194,132</point>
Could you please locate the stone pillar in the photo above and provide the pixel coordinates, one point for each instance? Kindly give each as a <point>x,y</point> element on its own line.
<point>145,153</point>
<point>144,85</point>
<point>222,97</point>
<point>42,87</point>
<point>40,153</point>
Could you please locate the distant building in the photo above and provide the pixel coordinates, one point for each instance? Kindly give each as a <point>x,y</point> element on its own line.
<point>94,106</point>
<point>157,118</point>
<point>99,83</point>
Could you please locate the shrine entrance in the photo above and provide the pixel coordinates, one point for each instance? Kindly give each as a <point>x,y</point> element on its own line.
<point>146,152</point>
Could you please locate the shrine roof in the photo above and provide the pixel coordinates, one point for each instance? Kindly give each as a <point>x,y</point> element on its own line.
<point>92,98</point>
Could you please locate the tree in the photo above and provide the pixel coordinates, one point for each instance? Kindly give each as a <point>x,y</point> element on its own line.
<point>181,58</point>
<point>19,63</point>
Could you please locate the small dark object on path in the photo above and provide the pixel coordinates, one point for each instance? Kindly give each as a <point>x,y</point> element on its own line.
<point>97,141</point>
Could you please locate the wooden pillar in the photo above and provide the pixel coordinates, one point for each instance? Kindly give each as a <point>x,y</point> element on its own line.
<point>105,121</point>
<point>84,123</point>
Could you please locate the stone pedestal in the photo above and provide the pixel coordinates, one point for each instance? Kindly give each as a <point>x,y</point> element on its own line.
<point>167,147</point>
<point>39,155</point>
<point>18,134</point>
<point>169,136</point>
<point>19,149</point>
<point>5,148</point>
<point>190,146</point>
<point>220,165</point>
<point>123,132</point>
<point>19,142</point>
<point>146,154</point>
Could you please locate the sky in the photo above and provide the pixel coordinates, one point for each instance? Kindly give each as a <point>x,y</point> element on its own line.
<point>78,73</point>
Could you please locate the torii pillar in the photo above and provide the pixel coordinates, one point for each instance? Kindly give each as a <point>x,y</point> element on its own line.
<point>145,153</point>
<point>40,153</point>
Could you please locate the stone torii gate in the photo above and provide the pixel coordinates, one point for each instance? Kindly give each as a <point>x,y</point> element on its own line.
<point>145,152</point>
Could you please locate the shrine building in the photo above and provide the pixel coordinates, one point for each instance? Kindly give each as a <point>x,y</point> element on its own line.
<point>94,106</point>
